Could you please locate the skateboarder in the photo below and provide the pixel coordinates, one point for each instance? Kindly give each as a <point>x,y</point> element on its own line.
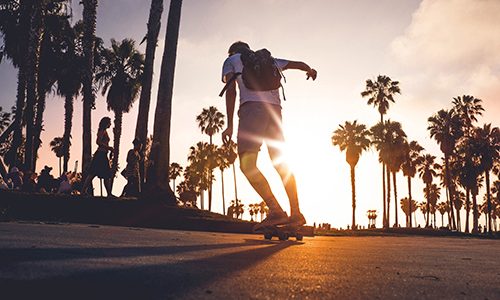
<point>260,121</point>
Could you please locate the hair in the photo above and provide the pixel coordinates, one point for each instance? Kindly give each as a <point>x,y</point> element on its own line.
<point>137,141</point>
<point>236,47</point>
<point>104,123</point>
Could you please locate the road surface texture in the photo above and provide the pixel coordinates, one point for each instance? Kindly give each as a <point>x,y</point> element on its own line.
<point>69,261</point>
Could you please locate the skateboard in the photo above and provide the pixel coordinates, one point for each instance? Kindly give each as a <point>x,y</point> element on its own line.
<point>282,232</point>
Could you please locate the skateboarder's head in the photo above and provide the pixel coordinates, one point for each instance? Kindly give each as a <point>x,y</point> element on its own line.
<point>237,47</point>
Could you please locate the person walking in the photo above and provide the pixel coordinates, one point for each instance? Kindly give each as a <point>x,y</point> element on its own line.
<point>258,75</point>
<point>100,162</point>
<point>131,172</point>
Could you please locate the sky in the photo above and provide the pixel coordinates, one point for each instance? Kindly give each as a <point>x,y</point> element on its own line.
<point>436,49</point>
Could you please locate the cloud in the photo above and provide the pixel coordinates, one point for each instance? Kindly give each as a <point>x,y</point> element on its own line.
<point>450,48</point>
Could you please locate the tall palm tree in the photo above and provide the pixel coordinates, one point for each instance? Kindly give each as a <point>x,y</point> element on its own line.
<point>154,24</point>
<point>199,157</point>
<point>174,171</point>
<point>223,163</point>
<point>445,128</point>
<point>380,93</point>
<point>157,179</point>
<point>14,28</point>
<point>468,108</point>
<point>69,79</point>
<point>353,138</point>
<point>432,193</point>
<point>231,155</point>
<point>88,45</point>
<point>57,146</point>
<point>409,167</point>
<point>427,171</point>
<point>210,121</point>
<point>120,77</point>
<point>396,147</point>
<point>488,147</point>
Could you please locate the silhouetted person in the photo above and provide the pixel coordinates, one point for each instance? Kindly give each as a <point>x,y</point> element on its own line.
<point>131,172</point>
<point>100,163</point>
<point>29,182</point>
<point>260,121</point>
<point>16,178</point>
<point>46,182</point>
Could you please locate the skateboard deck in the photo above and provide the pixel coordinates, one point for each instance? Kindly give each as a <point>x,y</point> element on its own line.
<point>282,232</point>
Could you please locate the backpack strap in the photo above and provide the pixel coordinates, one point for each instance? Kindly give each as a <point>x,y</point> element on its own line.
<point>231,80</point>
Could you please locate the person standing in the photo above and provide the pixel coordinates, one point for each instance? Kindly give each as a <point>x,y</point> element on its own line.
<point>100,166</point>
<point>260,121</point>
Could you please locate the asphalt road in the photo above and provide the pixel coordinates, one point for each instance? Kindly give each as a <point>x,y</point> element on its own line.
<point>40,261</point>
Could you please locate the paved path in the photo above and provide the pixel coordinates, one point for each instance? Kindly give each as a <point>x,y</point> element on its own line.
<point>94,262</point>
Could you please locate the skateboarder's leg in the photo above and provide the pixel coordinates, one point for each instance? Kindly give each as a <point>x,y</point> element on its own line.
<point>248,165</point>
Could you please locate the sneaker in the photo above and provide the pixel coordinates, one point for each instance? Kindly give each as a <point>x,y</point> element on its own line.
<point>273,218</point>
<point>297,219</point>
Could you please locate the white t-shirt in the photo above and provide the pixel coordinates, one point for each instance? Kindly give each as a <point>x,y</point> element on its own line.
<point>233,64</point>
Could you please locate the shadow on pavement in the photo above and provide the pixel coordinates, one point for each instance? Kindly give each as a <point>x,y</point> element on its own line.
<point>164,280</point>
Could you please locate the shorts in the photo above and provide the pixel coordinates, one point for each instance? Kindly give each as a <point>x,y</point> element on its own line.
<point>259,122</point>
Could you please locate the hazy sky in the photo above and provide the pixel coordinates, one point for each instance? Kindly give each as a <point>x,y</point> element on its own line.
<point>437,49</point>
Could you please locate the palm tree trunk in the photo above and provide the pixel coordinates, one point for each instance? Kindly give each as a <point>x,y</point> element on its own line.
<point>353,193</point>
<point>451,191</point>
<point>409,196</point>
<point>396,223</point>
<point>428,204</point>
<point>385,219</point>
<point>467,209</point>
<point>442,220</point>
<point>68,123</point>
<point>388,175</point>
<point>32,65</point>
<point>40,108</point>
<point>160,151</point>
<point>488,199</point>
<point>117,133</point>
<point>141,129</point>
<point>223,197</point>
<point>475,214</point>
<point>235,189</point>
<point>60,168</point>
<point>89,23</point>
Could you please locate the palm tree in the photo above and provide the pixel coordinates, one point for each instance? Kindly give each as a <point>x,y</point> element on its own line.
<point>14,27</point>
<point>69,82</point>
<point>223,163</point>
<point>57,146</point>
<point>154,24</point>
<point>445,128</point>
<point>263,210</point>
<point>231,155</point>
<point>353,138</point>
<point>157,179</point>
<point>442,207</point>
<point>468,108</point>
<point>427,171</point>
<point>488,147</point>
<point>236,208</point>
<point>120,77</point>
<point>210,121</point>
<point>409,167</point>
<point>199,157</point>
<point>408,207</point>
<point>88,44</point>
<point>380,93</point>
<point>432,193</point>
<point>174,171</point>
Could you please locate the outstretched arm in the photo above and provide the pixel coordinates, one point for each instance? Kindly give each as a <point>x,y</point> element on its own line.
<point>230,101</point>
<point>298,65</point>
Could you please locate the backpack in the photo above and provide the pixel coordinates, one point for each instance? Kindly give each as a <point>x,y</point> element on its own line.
<point>260,71</point>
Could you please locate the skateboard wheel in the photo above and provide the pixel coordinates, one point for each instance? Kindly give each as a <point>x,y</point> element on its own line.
<point>283,236</point>
<point>299,237</point>
<point>268,236</point>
